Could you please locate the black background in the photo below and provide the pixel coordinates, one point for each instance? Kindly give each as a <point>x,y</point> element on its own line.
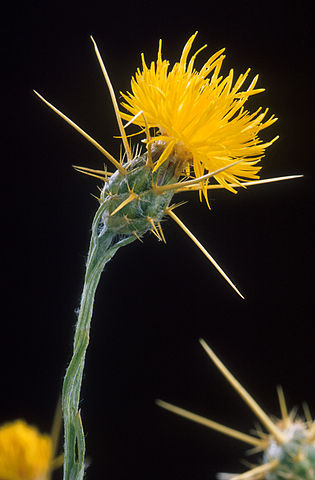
<point>154,300</point>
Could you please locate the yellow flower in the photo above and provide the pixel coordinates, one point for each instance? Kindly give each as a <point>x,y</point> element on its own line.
<point>200,119</point>
<point>25,454</point>
<point>204,132</point>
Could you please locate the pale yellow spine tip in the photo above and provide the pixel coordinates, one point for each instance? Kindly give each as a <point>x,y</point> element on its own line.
<point>203,343</point>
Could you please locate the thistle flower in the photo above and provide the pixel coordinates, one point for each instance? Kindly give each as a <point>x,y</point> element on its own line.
<point>202,127</point>
<point>201,119</point>
<point>288,449</point>
<point>25,453</point>
<point>203,133</point>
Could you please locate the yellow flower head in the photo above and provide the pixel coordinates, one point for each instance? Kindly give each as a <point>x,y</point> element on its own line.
<point>25,454</point>
<point>203,131</point>
<point>200,118</point>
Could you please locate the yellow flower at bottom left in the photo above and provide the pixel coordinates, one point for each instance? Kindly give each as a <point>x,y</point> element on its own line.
<point>25,453</point>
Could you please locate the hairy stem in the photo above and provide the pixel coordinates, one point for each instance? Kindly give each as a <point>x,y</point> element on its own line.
<point>103,246</point>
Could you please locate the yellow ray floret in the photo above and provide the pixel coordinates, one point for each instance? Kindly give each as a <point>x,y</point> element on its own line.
<point>200,116</point>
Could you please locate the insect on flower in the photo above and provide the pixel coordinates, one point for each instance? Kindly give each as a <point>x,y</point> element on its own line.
<point>198,137</point>
<point>288,450</point>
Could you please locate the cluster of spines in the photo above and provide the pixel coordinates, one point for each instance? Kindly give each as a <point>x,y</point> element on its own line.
<point>124,200</point>
<point>289,447</point>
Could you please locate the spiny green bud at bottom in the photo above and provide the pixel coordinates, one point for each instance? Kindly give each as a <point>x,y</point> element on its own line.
<point>288,450</point>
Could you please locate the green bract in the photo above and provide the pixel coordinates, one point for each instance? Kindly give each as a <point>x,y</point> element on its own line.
<point>144,205</point>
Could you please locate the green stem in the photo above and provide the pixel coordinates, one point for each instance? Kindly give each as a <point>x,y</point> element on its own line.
<point>103,246</point>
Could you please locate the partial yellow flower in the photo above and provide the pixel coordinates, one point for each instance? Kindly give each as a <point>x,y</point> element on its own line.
<point>25,453</point>
<point>200,118</point>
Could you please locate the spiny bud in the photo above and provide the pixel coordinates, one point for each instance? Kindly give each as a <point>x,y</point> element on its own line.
<point>131,203</point>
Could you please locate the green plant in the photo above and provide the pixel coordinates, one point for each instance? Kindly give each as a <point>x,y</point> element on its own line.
<point>201,132</point>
